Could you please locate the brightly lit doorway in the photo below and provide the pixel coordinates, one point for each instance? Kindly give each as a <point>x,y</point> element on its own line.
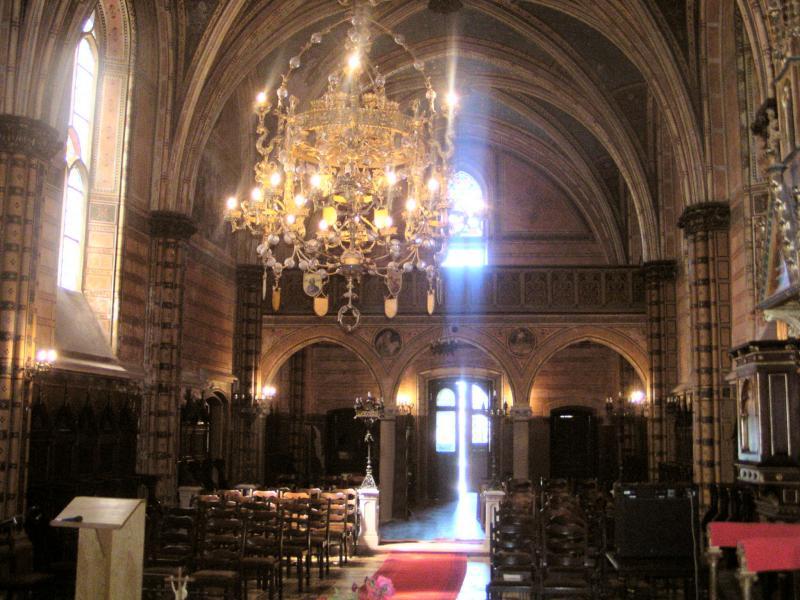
<point>460,434</point>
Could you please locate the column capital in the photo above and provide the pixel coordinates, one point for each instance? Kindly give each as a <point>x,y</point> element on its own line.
<point>659,270</point>
<point>28,136</point>
<point>168,224</point>
<point>706,216</point>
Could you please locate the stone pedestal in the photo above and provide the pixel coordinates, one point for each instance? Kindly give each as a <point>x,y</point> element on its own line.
<point>186,493</point>
<point>369,510</point>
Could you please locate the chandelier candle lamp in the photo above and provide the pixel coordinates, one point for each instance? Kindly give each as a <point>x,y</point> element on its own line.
<point>351,184</point>
<point>369,410</point>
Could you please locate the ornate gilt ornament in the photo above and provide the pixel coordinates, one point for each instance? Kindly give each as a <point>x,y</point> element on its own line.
<point>351,184</point>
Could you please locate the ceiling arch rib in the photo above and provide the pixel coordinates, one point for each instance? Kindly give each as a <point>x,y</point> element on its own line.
<point>581,193</point>
<point>618,145</point>
<point>632,29</point>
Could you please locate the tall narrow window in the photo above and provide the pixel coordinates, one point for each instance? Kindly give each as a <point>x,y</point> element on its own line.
<point>79,148</point>
<point>468,245</point>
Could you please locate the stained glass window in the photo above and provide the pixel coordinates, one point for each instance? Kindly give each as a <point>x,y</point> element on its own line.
<point>78,156</point>
<point>467,222</point>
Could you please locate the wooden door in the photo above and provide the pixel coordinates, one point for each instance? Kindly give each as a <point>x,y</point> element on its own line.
<point>443,411</point>
<point>573,443</point>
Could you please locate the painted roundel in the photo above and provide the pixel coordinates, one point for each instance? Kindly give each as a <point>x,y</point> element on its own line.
<point>388,343</point>
<point>521,341</point>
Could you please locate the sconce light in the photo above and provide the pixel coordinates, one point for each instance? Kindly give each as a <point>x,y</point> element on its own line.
<point>268,393</point>
<point>637,397</point>
<point>41,364</point>
<point>403,404</point>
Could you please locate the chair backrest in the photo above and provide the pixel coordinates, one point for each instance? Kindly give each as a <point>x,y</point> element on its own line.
<point>265,495</point>
<point>263,534</point>
<point>221,533</point>
<point>299,495</point>
<point>295,520</point>
<point>319,511</point>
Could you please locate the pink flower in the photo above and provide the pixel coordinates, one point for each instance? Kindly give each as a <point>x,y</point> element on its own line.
<point>385,587</point>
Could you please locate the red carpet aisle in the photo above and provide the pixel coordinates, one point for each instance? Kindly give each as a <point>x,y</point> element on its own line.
<point>424,576</point>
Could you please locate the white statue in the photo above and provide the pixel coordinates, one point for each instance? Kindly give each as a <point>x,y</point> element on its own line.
<point>178,585</point>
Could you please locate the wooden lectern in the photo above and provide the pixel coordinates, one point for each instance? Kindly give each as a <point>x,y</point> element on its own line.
<point>110,546</point>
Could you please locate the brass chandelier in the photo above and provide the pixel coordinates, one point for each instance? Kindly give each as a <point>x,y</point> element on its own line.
<point>351,183</point>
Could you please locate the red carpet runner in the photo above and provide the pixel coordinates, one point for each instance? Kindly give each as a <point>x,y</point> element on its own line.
<point>421,576</point>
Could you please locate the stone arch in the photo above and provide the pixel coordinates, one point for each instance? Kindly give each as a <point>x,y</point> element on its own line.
<point>755,25</point>
<point>479,339</point>
<point>272,360</point>
<point>627,347</point>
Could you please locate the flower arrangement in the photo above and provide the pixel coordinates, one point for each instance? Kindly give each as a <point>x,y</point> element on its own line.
<point>373,588</point>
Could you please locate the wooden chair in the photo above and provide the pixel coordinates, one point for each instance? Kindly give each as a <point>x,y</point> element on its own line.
<point>296,538</point>
<point>318,523</point>
<point>219,557</point>
<point>262,550</point>
<point>337,524</point>
<point>17,578</point>
<point>353,525</point>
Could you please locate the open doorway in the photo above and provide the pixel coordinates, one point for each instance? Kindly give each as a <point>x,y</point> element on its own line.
<point>458,444</point>
<point>460,432</point>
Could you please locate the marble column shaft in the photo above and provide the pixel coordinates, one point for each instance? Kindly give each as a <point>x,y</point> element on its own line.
<point>170,233</point>
<point>661,349</point>
<point>26,148</point>
<point>706,229</point>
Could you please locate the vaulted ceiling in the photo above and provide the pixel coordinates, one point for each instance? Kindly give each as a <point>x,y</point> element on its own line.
<point>571,88</point>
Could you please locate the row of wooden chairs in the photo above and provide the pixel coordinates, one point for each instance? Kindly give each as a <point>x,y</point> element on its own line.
<point>542,545</point>
<point>228,540</point>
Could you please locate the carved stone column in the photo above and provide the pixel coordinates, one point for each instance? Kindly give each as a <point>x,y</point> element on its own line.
<point>706,229</point>
<point>170,233</point>
<point>662,351</point>
<point>26,147</point>
<point>247,351</point>
<point>521,417</point>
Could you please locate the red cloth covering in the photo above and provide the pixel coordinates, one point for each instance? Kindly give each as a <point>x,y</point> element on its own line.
<point>724,534</point>
<point>424,576</point>
<point>770,554</point>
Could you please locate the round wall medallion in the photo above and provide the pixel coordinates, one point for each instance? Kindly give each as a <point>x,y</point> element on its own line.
<point>388,342</point>
<point>521,341</point>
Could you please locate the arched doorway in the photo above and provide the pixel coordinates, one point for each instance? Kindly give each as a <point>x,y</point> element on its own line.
<point>448,449</point>
<point>311,435</point>
<point>589,416</point>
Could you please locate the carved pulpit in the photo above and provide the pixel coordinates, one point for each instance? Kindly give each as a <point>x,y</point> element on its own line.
<point>768,412</point>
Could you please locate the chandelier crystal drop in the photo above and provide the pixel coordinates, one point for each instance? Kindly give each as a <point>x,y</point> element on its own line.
<point>351,184</point>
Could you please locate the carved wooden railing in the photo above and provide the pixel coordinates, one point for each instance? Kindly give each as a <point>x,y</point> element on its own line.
<point>492,291</point>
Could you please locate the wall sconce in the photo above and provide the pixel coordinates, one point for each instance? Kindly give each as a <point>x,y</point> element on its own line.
<point>637,397</point>
<point>403,404</point>
<point>268,393</point>
<point>41,364</point>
